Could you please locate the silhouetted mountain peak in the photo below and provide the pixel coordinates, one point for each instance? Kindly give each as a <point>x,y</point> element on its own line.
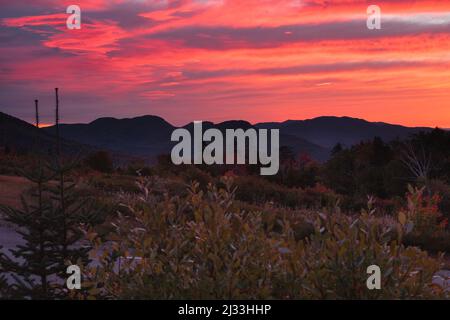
<point>328,130</point>
<point>143,135</point>
<point>234,124</point>
<point>147,120</point>
<point>25,137</point>
<point>104,121</point>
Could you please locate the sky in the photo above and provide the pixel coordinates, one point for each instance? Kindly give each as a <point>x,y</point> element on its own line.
<point>257,60</point>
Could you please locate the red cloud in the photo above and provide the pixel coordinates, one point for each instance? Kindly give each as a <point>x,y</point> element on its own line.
<point>233,59</point>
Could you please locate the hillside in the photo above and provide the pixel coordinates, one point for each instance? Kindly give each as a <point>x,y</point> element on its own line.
<point>328,131</point>
<point>21,136</point>
<point>140,136</point>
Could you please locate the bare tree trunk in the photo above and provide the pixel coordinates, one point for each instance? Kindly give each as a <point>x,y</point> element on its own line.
<point>419,163</point>
<point>58,140</point>
<point>37,138</point>
<point>61,179</point>
<point>43,275</point>
<point>36,107</point>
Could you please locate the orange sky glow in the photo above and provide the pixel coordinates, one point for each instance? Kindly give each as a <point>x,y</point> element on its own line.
<point>257,60</point>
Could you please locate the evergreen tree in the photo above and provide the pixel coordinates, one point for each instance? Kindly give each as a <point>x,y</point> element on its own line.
<point>69,210</point>
<point>336,149</point>
<point>50,226</point>
<point>33,263</point>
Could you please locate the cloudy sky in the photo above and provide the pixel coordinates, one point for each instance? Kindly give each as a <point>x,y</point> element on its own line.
<point>258,60</point>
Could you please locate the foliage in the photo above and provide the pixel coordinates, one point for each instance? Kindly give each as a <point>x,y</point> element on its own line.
<point>109,183</point>
<point>32,277</point>
<point>100,161</point>
<point>301,171</point>
<point>317,196</point>
<point>439,187</point>
<point>201,246</point>
<point>422,213</point>
<point>49,223</point>
<point>332,263</point>
<point>427,224</point>
<point>368,168</point>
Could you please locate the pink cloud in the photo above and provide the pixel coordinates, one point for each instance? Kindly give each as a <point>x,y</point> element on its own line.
<point>232,59</point>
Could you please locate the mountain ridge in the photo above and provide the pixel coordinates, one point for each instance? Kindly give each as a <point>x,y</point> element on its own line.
<point>23,136</point>
<point>327,131</point>
<point>149,135</point>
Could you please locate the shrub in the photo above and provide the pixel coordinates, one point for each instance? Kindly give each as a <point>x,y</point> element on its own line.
<point>188,248</point>
<point>443,190</point>
<point>192,173</point>
<point>108,183</point>
<point>138,167</point>
<point>332,263</point>
<point>422,213</point>
<point>100,161</point>
<point>310,197</point>
<point>201,246</point>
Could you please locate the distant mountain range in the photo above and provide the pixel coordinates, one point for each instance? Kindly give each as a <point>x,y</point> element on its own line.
<point>328,131</point>
<point>145,136</point>
<point>149,136</point>
<point>22,136</point>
